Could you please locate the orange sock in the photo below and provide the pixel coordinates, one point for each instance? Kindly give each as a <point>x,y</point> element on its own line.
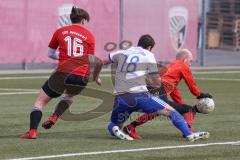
<point>189,118</point>
<point>54,118</point>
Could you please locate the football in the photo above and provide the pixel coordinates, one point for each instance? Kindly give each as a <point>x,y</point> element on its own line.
<point>205,105</point>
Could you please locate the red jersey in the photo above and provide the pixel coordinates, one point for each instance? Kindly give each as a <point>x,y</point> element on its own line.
<point>176,71</point>
<point>75,43</point>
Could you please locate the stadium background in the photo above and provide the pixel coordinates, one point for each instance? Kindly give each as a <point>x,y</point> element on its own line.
<point>26,27</point>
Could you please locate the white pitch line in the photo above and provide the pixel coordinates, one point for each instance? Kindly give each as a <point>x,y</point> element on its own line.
<point>17,78</point>
<point>17,93</point>
<point>127,150</point>
<point>215,72</point>
<point>210,79</point>
<point>218,79</point>
<point>17,89</point>
<point>107,75</point>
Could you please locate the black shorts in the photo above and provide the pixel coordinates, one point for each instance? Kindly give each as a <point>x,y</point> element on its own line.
<point>59,82</point>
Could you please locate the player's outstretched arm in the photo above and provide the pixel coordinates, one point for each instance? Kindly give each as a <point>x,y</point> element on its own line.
<point>97,69</point>
<point>176,96</point>
<point>188,78</point>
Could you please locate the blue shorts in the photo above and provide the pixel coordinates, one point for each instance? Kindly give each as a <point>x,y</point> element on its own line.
<point>127,103</point>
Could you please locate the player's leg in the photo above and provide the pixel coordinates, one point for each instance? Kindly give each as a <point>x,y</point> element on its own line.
<point>157,105</point>
<point>179,122</point>
<point>64,103</point>
<point>181,108</point>
<point>36,115</point>
<point>188,112</point>
<point>47,92</point>
<point>142,119</point>
<point>74,84</point>
<point>121,112</point>
<point>166,110</point>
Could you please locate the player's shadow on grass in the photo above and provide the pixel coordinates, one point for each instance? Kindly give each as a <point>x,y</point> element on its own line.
<point>96,134</point>
<point>156,136</point>
<point>78,134</point>
<point>10,136</point>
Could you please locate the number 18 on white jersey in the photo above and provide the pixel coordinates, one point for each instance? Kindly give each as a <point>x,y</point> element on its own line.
<point>132,67</point>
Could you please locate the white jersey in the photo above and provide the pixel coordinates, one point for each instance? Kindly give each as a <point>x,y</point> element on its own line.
<point>132,67</point>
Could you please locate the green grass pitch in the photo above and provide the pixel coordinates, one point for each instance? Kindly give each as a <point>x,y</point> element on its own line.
<point>90,136</point>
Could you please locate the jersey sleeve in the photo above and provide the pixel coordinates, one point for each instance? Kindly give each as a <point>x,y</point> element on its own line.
<point>188,78</point>
<point>54,41</point>
<point>152,65</point>
<point>110,57</point>
<point>176,96</point>
<point>113,56</point>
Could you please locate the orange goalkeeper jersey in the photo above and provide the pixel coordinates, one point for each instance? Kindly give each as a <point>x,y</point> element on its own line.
<point>176,71</point>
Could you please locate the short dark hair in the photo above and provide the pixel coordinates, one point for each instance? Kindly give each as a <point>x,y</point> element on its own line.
<point>146,41</point>
<point>78,14</point>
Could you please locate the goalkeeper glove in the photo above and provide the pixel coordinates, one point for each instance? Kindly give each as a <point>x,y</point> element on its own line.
<point>204,95</point>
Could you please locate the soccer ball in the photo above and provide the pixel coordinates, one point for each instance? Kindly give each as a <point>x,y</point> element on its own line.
<point>205,105</point>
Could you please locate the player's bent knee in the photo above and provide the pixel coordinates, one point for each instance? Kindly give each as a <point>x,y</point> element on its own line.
<point>166,112</point>
<point>35,108</point>
<point>169,108</point>
<point>67,98</point>
<point>42,100</point>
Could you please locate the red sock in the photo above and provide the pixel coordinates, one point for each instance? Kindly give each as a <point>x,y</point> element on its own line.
<point>189,118</point>
<point>54,118</point>
<point>144,118</point>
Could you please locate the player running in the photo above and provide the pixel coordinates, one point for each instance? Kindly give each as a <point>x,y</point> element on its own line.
<point>76,45</point>
<point>174,72</point>
<point>134,66</point>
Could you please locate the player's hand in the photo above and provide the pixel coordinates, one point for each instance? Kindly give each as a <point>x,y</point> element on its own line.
<point>204,95</point>
<point>98,81</point>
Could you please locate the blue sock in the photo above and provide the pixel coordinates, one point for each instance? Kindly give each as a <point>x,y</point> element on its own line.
<point>110,127</point>
<point>179,123</point>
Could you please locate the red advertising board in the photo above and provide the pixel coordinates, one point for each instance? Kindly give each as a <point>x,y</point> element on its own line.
<point>172,23</point>
<point>26,26</point>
